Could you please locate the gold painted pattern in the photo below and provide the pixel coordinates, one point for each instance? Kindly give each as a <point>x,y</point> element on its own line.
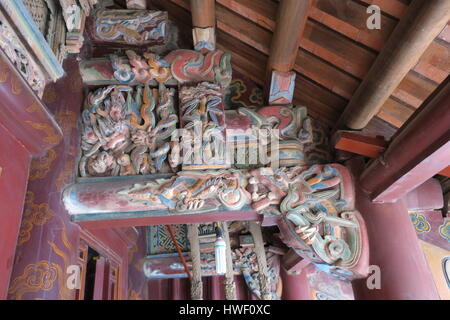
<point>35,107</point>
<point>50,96</point>
<point>67,120</point>
<point>34,215</point>
<point>35,277</point>
<point>16,85</point>
<point>52,137</point>
<point>65,176</point>
<point>41,166</point>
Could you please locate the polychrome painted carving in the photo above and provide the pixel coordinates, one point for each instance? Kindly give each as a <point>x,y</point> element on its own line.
<point>282,87</point>
<point>185,66</point>
<point>192,66</point>
<point>136,27</point>
<point>315,205</point>
<point>126,130</point>
<point>203,136</point>
<point>204,39</point>
<point>141,69</point>
<point>20,57</point>
<point>295,132</point>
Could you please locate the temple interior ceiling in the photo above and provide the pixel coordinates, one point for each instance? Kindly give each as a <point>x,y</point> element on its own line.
<point>178,135</point>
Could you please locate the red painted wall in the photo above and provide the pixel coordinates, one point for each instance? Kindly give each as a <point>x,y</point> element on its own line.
<point>14,163</point>
<point>394,247</point>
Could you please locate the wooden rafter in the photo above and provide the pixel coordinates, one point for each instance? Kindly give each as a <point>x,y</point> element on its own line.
<point>421,24</point>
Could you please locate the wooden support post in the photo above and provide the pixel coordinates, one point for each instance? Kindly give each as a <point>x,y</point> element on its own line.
<point>291,21</point>
<point>255,230</point>
<point>422,22</point>
<point>230,285</point>
<point>419,150</point>
<point>196,281</point>
<point>395,250</point>
<point>204,24</point>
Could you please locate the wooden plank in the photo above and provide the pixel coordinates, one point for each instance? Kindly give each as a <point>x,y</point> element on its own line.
<point>395,113</point>
<point>394,8</point>
<point>360,144</point>
<point>413,90</point>
<point>326,75</point>
<point>317,39</point>
<point>261,12</point>
<point>243,29</point>
<point>101,279</point>
<point>349,19</point>
<point>322,104</point>
<point>245,59</point>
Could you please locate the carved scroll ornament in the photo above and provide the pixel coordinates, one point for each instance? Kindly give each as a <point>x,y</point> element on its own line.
<point>136,27</point>
<point>316,216</point>
<point>20,57</point>
<point>184,66</point>
<point>126,131</point>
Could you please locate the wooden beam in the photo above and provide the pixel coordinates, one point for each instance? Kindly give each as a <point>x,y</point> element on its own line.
<point>360,144</point>
<point>418,151</point>
<point>291,20</point>
<point>23,114</point>
<point>422,22</point>
<point>203,13</point>
<point>204,24</point>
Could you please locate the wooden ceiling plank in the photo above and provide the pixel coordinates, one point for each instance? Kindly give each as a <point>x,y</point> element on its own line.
<point>379,127</point>
<point>413,90</point>
<point>261,12</point>
<point>349,19</point>
<point>420,25</point>
<point>395,113</point>
<point>338,50</point>
<point>243,30</point>
<point>393,8</point>
<point>325,74</point>
<point>259,38</point>
<point>321,41</point>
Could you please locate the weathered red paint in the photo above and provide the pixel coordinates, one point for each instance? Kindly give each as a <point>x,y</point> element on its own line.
<point>64,99</point>
<point>394,247</point>
<point>23,113</point>
<point>295,286</point>
<point>427,196</point>
<point>174,219</point>
<point>13,185</point>
<point>419,150</point>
